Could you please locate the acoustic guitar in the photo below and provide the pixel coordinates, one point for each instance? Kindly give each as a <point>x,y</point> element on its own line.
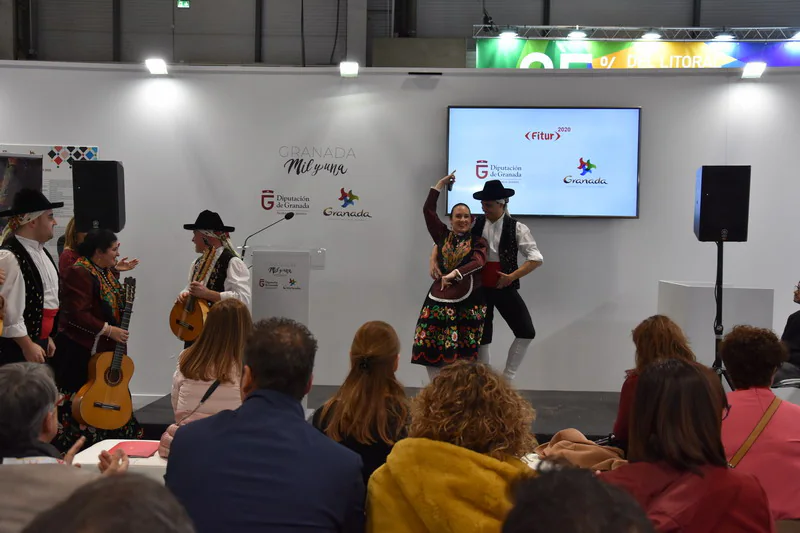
<point>186,320</point>
<point>105,401</point>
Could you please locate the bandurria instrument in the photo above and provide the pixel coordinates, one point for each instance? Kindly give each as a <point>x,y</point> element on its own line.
<point>104,401</point>
<point>186,320</point>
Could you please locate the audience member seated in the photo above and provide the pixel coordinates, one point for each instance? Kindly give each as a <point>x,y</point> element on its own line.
<point>216,356</point>
<point>33,475</point>
<point>369,412</point>
<point>752,356</point>
<point>116,504</point>
<point>262,467</point>
<point>678,471</point>
<point>791,338</point>
<point>571,500</point>
<point>656,339</point>
<point>469,429</point>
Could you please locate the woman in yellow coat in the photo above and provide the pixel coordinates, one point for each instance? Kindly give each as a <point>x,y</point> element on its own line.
<point>469,431</point>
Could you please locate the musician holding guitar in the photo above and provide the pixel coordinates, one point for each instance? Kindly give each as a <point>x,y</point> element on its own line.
<point>218,275</point>
<point>91,322</point>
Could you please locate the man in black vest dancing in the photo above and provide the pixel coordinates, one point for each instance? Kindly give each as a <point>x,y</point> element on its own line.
<point>30,289</point>
<point>507,239</point>
<point>228,277</point>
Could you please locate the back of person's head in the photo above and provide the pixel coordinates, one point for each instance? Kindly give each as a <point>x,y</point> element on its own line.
<point>126,503</point>
<point>469,405</point>
<point>573,500</point>
<point>28,396</point>
<point>218,352</point>
<point>370,401</point>
<point>279,356</point>
<point>70,235</point>
<point>658,338</point>
<point>677,416</point>
<point>752,356</point>
<point>97,240</point>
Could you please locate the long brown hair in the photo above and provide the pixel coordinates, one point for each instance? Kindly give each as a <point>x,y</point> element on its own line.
<point>217,354</point>
<point>469,405</point>
<point>658,338</point>
<point>71,236</point>
<point>677,416</point>
<point>370,400</point>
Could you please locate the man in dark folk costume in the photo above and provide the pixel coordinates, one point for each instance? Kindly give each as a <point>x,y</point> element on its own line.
<point>30,290</point>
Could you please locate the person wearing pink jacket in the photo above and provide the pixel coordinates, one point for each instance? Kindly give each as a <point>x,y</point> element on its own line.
<point>752,356</point>
<point>215,359</point>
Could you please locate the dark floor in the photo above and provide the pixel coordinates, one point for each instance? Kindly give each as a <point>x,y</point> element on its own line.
<point>592,413</point>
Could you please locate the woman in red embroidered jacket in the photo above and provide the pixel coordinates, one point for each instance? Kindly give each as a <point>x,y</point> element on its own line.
<point>91,309</point>
<point>450,324</point>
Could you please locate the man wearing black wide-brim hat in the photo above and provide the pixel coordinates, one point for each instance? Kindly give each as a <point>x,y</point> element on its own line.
<point>508,238</point>
<point>228,277</point>
<point>30,290</point>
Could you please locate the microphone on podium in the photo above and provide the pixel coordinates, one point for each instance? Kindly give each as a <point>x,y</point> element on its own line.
<point>287,216</point>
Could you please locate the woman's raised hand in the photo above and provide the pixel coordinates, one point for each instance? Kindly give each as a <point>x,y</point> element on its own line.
<point>445,181</point>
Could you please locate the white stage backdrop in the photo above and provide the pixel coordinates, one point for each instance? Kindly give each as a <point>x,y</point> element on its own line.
<point>242,142</point>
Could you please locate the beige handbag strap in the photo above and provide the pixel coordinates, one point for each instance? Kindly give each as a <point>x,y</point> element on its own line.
<point>765,418</point>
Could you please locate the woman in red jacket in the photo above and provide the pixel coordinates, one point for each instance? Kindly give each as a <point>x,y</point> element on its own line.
<point>92,302</point>
<point>656,339</point>
<point>678,471</point>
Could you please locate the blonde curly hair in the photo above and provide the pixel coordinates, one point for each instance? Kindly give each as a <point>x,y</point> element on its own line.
<point>468,405</point>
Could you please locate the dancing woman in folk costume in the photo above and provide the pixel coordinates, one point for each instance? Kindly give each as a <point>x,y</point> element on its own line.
<point>450,324</point>
<point>91,314</point>
<point>506,238</point>
<point>30,287</point>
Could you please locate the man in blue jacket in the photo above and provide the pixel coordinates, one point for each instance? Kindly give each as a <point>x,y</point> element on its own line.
<point>262,467</point>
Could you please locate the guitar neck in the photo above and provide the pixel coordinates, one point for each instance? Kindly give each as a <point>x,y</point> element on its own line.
<point>119,351</point>
<point>205,265</point>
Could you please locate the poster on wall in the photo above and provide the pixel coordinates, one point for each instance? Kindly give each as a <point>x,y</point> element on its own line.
<point>47,168</point>
<point>315,182</point>
<point>561,54</point>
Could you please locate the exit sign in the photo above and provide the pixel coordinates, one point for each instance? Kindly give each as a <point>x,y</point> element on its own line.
<point>184,4</point>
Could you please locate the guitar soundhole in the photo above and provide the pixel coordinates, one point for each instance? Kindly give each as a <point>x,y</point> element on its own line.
<point>113,377</point>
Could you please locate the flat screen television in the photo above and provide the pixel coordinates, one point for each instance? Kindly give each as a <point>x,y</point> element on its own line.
<point>560,161</point>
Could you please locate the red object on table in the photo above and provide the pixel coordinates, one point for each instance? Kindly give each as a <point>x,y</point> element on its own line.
<point>136,448</point>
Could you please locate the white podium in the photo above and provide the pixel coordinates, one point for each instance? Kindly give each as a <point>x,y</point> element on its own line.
<point>280,284</point>
<point>692,306</point>
<point>281,280</point>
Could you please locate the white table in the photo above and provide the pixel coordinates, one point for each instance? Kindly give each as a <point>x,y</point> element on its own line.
<point>154,467</point>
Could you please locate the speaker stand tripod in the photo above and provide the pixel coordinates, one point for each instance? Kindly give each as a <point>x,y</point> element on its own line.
<point>718,328</point>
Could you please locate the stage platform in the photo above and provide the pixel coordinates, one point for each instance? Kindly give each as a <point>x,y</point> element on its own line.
<point>593,413</point>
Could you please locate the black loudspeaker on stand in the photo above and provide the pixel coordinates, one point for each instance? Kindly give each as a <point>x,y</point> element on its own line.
<point>721,213</point>
<point>98,188</point>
